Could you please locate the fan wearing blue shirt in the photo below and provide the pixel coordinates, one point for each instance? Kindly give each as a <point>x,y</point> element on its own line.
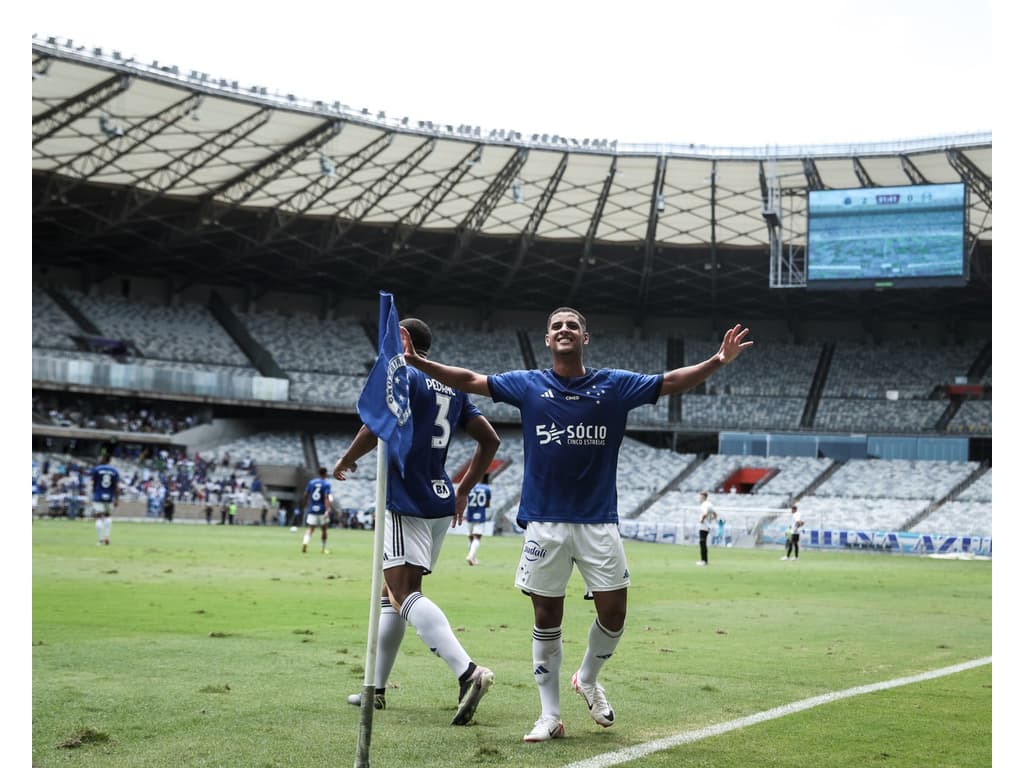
<point>574,419</point>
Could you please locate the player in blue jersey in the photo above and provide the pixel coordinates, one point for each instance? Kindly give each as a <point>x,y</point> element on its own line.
<point>574,419</point>
<point>105,490</point>
<point>476,516</point>
<point>317,502</point>
<point>420,508</point>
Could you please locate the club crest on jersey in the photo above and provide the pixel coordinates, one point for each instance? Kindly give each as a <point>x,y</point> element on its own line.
<point>396,393</point>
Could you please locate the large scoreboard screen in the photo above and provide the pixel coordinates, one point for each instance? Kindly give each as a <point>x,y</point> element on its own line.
<point>887,237</point>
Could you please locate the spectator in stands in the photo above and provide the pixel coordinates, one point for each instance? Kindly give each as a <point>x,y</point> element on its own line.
<point>476,516</point>
<point>574,420</point>
<point>317,501</point>
<point>105,481</point>
<point>421,506</point>
<point>793,534</point>
<point>707,518</point>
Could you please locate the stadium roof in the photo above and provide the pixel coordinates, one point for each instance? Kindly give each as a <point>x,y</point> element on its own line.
<point>145,169</point>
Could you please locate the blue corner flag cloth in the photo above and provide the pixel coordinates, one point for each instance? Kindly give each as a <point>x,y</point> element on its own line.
<point>384,402</point>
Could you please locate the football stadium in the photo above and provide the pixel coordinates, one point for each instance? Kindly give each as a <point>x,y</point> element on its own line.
<point>207,264</point>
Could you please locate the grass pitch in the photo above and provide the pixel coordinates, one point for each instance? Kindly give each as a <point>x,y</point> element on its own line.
<point>194,645</point>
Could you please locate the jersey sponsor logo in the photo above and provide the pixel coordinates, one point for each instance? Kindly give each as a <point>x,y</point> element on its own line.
<point>533,551</point>
<point>549,434</point>
<point>396,393</point>
<point>441,489</point>
<point>575,434</point>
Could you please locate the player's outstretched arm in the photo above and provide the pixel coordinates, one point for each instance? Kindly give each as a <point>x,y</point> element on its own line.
<point>461,379</point>
<point>684,379</point>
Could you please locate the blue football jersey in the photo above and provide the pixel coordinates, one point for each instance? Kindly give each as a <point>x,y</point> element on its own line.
<point>104,482</point>
<point>437,412</point>
<point>478,501</point>
<point>318,490</point>
<point>572,430</point>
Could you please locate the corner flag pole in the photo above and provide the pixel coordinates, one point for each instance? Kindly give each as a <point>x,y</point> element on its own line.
<point>376,585</point>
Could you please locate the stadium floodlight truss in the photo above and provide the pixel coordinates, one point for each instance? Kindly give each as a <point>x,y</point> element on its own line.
<point>915,175</point>
<point>482,209</point>
<point>811,172</point>
<point>587,259</point>
<point>233,193</point>
<point>46,124</point>
<point>529,233</point>
<point>160,180</point>
<point>862,174</point>
<point>972,176</point>
<point>237,190</point>
<point>78,170</point>
<point>353,213</point>
<point>650,240</point>
<point>293,207</point>
<point>415,217</point>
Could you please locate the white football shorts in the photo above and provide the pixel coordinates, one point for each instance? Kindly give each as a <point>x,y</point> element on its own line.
<point>413,540</point>
<point>317,520</point>
<point>551,549</point>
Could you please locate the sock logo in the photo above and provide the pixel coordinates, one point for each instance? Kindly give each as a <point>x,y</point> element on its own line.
<point>540,670</point>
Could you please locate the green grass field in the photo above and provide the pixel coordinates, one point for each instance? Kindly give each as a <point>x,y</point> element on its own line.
<point>193,645</point>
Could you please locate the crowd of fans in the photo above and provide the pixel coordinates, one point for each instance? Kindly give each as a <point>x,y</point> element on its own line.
<point>113,413</point>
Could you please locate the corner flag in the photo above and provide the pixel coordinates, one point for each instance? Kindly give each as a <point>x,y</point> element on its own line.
<point>384,408</point>
<point>384,402</point>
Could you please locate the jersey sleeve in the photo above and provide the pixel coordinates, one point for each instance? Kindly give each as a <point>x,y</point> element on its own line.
<point>638,389</point>
<point>469,411</point>
<point>508,387</point>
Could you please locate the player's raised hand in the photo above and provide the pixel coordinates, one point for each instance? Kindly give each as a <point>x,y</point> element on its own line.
<point>733,343</point>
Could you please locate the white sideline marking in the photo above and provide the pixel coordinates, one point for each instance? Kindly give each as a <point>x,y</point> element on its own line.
<point>640,750</point>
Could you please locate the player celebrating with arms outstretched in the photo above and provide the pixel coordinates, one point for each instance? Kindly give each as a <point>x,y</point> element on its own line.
<point>574,420</point>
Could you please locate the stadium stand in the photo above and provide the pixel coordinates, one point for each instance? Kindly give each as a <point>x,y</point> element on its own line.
<point>242,294</point>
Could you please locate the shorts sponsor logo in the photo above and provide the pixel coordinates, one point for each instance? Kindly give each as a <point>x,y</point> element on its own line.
<point>532,551</point>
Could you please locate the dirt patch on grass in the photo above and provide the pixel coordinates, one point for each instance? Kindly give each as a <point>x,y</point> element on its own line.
<point>83,737</point>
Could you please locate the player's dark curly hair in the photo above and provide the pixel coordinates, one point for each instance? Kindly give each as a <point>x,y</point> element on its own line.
<point>420,334</point>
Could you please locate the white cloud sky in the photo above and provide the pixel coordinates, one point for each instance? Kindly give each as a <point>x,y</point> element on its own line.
<point>731,72</point>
